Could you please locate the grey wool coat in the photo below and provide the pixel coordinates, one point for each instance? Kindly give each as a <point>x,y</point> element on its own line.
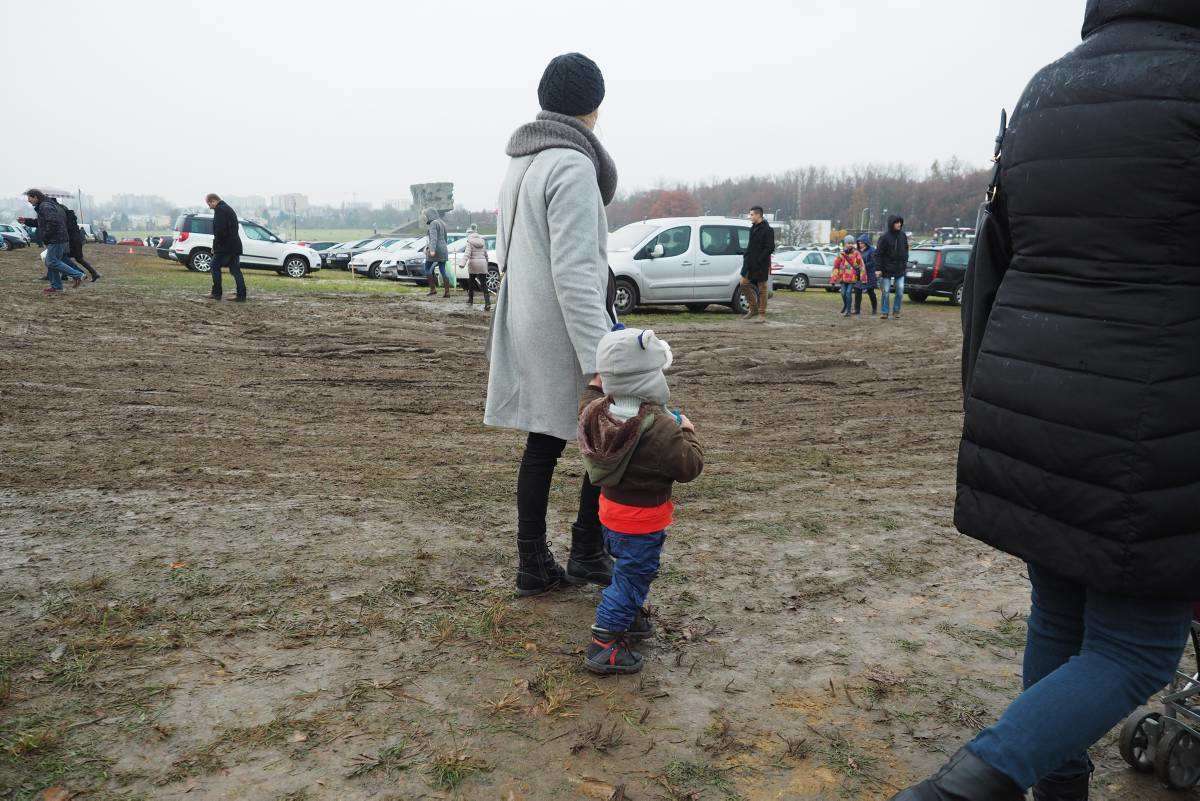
<point>552,307</point>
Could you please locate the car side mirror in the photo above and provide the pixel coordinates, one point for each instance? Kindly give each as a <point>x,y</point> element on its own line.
<point>657,251</point>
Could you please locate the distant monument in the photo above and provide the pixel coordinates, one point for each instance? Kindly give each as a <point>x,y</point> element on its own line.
<point>438,196</point>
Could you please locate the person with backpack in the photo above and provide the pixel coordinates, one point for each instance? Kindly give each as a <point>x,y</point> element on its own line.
<point>1078,451</point>
<point>51,224</point>
<point>891,258</point>
<point>75,243</point>
<point>552,310</point>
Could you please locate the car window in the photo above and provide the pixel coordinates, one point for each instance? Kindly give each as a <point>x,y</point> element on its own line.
<point>200,225</point>
<point>491,242</point>
<point>956,258</point>
<point>724,240</point>
<point>814,258</point>
<point>675,242</point>
<point>254,232</point>
<point>922,258</point>
<point>787,255</point>
<point>629,237</point>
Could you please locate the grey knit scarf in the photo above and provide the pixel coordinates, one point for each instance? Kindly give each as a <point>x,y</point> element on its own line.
<point>558,130</point>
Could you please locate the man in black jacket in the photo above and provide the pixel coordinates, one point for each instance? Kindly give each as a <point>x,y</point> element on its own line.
<point>891,258</point>
<point>51,227</point>
<point>75,241</point>
<point>756,266</point>
<point>227,246</point>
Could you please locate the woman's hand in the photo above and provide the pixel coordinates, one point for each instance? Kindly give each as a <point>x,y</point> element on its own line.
<point>686,424</point>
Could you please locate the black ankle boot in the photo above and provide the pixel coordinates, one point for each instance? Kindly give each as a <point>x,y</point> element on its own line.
<point>588,562</point>
<point>642,628</point>
<point>1073,789</point>
<point>965,777</point>
<point>609,653</point>
<point>538,572</point>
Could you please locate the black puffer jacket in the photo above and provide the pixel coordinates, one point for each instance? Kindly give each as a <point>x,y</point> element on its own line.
<point>74,235</point>
<point>1081,443</point>
<point>891,251</point>
<point>227,236</point>
<point>51,222</point>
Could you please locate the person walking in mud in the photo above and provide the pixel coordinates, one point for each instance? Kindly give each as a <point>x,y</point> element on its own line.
<point>227,247</point>
<point>891,258</point>
<point>436,251</point>
<point>51,224</point>
<point>756,266</point>
<point>477,268</point>
<point>872,280</point>
<point>75,243</point>
<point>552,310</point>
<point>1079,433</point>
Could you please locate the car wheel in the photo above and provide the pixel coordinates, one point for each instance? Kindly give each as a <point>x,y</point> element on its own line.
<point>200,261</point>
<point>373,270</point>
<point>799,283</point>
<point>917,297</point>
<point>697,307</point>
<point>741,303</point>
<point>957,297</point>
<point>493,281</point>
<point>295,267</point>
<point>626,296</point>
<point>4,244</point>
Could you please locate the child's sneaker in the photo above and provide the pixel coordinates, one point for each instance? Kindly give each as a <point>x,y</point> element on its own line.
<point>642,628</point>
<point>609,653</point>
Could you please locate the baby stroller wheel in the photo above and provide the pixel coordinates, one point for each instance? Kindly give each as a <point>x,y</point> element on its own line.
<point>1177,759</point>
<point>1137,738</point>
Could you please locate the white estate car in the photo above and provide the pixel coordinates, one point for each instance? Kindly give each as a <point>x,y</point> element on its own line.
<point>260,248</point>
<point>693,261</point>
<point>368,260</point>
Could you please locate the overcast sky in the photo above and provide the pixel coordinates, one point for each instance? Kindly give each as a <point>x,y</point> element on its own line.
<point>347,99</point>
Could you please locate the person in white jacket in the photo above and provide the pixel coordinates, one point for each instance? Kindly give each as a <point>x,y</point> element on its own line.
<point>553,309</point>
<point>477,268</point>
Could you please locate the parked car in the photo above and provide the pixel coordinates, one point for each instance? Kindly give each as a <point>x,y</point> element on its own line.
<point>340,257</point>
<point>800,269</point>
<point>317,246</point>
<point>367,262</point>
<point>328,256</point>
<point>693,261</point>
<point>132,240</point>
<point>163,248</point>
<point>407,263</point>
<point>937,271</point>
<point>13,236</point>
<point>193,243</point>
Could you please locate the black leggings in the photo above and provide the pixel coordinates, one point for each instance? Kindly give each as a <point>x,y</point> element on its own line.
<point>858,293</point>
<point>533,490</point>
<point>478,281</point>
<point>82,262</point>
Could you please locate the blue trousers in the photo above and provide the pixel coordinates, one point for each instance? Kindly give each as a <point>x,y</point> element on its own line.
<point>441,267</point>
<point>1090,660</point>
<point>58,266</point>
<point>890,285</point>
<point>635,564</point>
<point>847,294</point>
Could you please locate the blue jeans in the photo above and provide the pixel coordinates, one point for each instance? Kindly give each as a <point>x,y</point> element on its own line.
<point>847,295</point>
<point>635,564</point>
<point>58,266</point>
<point>441,266</point>
<point>888,284</point>
<point>1090,660</point>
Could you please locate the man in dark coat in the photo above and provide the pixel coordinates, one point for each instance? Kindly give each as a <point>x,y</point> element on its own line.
<point>891,258</point>
<point>756,266</point>
<point>51,226</point>
<point>227,246</point>
<point>1080,438</point>
<point>75,242</point>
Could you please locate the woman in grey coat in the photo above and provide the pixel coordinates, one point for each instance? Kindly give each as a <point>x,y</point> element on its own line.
<point>436,252</point>
<point>552,309</point>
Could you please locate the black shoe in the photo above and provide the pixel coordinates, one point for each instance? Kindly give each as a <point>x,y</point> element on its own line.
<point>588,562</point>
<point>642,628</point>
<point>95,277</point>
<point>965,777</point>
<point>539,573</point>
<point>211,296</point>
<point>1073,789</point>
<point>609,654</point>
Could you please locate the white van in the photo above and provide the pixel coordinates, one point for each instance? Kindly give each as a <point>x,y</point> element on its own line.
<point>692,261</point>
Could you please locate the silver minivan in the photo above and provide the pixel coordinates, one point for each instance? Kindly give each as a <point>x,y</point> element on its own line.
<point>691,261</point>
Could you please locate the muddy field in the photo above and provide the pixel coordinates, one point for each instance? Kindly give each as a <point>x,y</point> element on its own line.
<point>265,551</point>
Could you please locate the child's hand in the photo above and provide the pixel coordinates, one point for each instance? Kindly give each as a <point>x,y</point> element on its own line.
<point>686,424</point>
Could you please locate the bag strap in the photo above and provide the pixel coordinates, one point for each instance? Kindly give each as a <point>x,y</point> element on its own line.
<point>513,222</point>
<point>994,186</point>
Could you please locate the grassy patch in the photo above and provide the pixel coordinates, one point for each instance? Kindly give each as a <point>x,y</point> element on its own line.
<point>448,769</point>
<point>690,781</point>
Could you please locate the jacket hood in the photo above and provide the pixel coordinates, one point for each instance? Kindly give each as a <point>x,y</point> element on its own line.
<point>429,215</point>
<point>606,443</point>
<point>1102,12</point>
<point>865,239</point>
<point>893,219</point>
<point>476,239</point>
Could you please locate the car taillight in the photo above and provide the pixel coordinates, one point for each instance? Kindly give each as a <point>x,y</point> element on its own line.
<point>937,263</point>
<point>183,235</point>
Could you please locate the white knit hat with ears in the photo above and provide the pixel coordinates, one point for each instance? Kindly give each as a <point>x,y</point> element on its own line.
<point>631,363</point>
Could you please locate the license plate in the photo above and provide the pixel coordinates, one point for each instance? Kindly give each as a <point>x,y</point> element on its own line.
<point>915,275</point>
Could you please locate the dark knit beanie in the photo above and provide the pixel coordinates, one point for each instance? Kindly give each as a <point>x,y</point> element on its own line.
<point>572,84</point>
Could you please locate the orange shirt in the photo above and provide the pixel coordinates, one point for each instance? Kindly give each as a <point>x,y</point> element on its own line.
<point>626,519</point>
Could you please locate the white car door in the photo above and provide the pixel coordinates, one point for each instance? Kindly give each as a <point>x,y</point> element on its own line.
<point>260,246</point>
<point>668,265</point>
<point>719,267</point>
